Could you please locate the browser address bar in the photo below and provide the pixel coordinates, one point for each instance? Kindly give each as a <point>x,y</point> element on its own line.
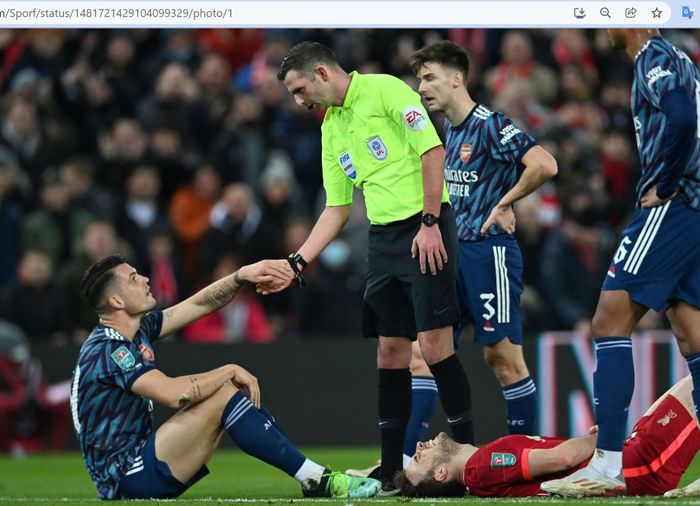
<point>331,13</point>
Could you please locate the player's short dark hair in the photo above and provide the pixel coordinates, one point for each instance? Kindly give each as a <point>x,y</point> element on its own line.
<point>97,278</point>
<point>429,487</point>
<point>303,57</point>
<point>445,53</point>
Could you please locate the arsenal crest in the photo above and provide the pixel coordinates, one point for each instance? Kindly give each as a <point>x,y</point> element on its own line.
<point>465,152</point>
<point>146,352</point>
<point>377,147</point>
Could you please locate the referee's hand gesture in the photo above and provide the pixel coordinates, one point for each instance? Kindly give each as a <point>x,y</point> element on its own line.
<point>427,246</point>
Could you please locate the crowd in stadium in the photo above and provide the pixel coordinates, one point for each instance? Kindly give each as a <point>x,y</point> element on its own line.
<point>182,150</point>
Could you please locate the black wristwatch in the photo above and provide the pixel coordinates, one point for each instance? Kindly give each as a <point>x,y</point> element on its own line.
<point>429,219</point>
<point>295,260</point>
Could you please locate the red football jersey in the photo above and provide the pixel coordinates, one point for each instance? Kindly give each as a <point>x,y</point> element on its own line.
<point>654,457</point>
<point>500,469</point>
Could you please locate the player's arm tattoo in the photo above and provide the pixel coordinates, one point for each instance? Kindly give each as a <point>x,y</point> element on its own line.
<point>168,313</point>
<point>185,399</point>
<point>220,294</point>
<point>194,394</point>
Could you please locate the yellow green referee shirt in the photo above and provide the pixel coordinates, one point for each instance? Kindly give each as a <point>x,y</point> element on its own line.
<point>375,141</point>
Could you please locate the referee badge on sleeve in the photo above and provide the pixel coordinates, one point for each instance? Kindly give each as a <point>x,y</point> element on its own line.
<point>414,118</point>
<point>346,164</point>
<point>377,147</point>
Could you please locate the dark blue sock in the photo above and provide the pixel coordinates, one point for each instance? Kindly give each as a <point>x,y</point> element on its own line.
<point>613,385</point>
<point>256,435</point>
<point>425,396</point>
<point>694,366</point>
<point>521,406</point>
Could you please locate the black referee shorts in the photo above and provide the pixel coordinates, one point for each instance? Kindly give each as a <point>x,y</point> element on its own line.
<point>399,300</point>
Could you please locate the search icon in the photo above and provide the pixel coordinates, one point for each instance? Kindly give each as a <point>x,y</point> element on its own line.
<point>604,11</point>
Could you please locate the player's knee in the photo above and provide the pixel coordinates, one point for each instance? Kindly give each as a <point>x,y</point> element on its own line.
<point>507,374</point>
<point>602,324</point>
<point>393,354</point>
<point>218,401</point>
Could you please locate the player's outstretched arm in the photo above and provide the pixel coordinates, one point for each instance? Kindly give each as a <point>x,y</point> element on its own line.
<point>183,391</point>
<point>540,166</point>
<point>567,455</point>
<point>274,275</point>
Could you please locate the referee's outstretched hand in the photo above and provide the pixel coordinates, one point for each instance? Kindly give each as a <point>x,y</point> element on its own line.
<point>428,247</point>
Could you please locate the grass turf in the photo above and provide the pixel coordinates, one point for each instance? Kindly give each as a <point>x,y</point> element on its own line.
<point>234,478</point>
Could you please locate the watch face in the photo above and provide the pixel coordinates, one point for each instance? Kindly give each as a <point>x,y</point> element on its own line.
<point>429,220</point>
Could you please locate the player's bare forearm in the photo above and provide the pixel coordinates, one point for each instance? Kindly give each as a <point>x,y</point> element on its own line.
<point>197,387</point>
<point>567,455</point>
<point>540,166</point>
<point>327,227</point>
<point>270,274</point>
<point>182,390</point>
<point>433,179</point>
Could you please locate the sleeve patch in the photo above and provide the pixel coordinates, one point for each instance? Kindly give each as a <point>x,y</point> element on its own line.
<point>123,357</point>
<point>503,460</point>
<point>657,73</point>
<point>414,118</point>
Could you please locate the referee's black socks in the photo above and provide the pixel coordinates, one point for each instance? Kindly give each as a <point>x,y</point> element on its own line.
<point>394,412</point>
<point>456,397</point>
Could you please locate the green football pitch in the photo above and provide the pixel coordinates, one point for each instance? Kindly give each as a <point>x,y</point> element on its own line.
<point>235,478</point>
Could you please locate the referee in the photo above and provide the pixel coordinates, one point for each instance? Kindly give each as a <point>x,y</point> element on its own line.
<point>377,136</point>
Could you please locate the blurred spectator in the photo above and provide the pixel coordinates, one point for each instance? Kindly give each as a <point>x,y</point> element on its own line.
<point>238,227</point>
<point>121,149</point>
<point>236,46</point>
<point>319,314</point>
<point>84,193</point>
<point>22,138</point>
<point>171,157</point>
<point>57,226</point>
<point>617,168</point>
<point>571,47</point>
<point>10,221</point>
<point>35,302</point>
<point>99,241</point>
<point>243,320</point>
<point>280,200</point>
<point>573,263</point>
<point>189,214</point>
<point>214,79</point>
<point>176,101</point>
<point>518,69</point>
<point>239,151</point>
<point>531,233</point>
<point>141,213</point>
<point>33,416</point>
<point>166,278</point>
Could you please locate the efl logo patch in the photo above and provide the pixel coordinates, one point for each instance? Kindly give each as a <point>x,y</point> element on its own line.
<point>465,152</point>
<point>503,460</point>
<point>146,352</point>
<point>123,357</point>
<point>346,164</point>
<point>377,147</point>
<point>414,118</point>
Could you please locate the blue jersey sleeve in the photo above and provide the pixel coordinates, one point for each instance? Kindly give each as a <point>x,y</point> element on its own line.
<point>122,364</point>
<point>507,143</point>
<point>661,71</point>
<point>151,325</point>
